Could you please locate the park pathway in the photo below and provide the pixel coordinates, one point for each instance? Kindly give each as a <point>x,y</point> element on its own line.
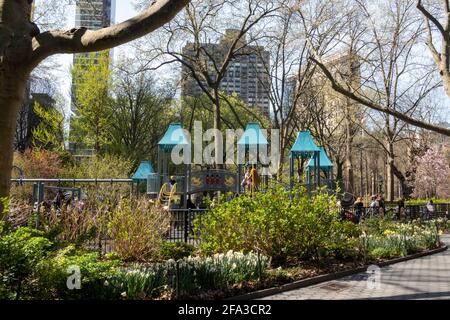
<point>418,279</point>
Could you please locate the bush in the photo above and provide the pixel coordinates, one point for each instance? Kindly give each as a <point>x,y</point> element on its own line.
<point>21,252</point>
<point>35,163</point>
<point>279,224</point>
<point>95,275</point>
<point>175,250</point>
<point>102,167</point>
<point>137,229</point>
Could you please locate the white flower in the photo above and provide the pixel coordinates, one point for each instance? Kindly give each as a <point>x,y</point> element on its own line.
<point>123,294</point>
<point>106,283</point>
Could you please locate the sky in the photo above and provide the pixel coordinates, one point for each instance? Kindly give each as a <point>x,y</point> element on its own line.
<point>124,11</point>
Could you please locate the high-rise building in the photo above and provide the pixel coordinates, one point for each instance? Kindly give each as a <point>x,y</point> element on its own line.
<point>245,75</point>
<point>93,15</point>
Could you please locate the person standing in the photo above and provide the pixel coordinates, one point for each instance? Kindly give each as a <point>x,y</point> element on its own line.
<point>247,179</point>
<point>255,180</point>
<point>359,208</point>
<point>374,205</point>
<point>381,205</point>
<point>430,210</point>
<point>400,213</point>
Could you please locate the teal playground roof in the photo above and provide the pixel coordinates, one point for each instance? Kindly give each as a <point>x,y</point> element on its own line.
<point>253,135</point>
<point>325,162</point>
<point>143,171</point>
<point>304,144</point>
<point>174,136</point>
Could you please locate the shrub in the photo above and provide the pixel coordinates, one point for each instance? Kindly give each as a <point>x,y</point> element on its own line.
<point>175,250</point>
<point>102,167</point>
<point>35,163</point>
<point>21,251</point>
<point>279,224</point>
<point>95,275</point>
<point>137,229</point>
<point>76,221</point>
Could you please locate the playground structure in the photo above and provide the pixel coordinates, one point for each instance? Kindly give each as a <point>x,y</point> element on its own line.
<point>190,179</point>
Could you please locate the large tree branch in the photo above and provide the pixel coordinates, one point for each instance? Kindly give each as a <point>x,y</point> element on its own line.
<point>432,18</point>
<point>84,40</point>
<point>399,115</point>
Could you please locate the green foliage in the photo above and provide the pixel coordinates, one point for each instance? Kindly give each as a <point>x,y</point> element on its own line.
<point>89,127</point>
<point>141,112</point>
<point>276,225</point>
<point>175,250</point>
<point>195,275</point>
<point>95,275</point>
<point>137,228</point>
<point>49,133</point>
<point>21,252</point>
<point>422,202</point>
<point>102,167</point>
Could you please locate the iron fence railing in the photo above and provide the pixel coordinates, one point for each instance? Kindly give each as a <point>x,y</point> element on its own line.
<point>181,230</point>
<point>412,212</point>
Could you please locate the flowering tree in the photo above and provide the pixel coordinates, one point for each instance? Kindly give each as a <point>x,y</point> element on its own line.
<point>432,176</point>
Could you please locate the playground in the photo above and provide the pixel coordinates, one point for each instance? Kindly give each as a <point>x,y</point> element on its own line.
<point>187,191</point>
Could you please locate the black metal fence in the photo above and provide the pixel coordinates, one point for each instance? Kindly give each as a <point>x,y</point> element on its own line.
<point>441,210</point>
<point>181,230</point>
<point>182,225</point>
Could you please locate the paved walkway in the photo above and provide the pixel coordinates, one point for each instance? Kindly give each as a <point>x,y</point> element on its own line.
<point>423,278</point>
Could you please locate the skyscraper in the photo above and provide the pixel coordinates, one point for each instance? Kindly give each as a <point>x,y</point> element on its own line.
<point>93,15</point>
<point>245,75</point>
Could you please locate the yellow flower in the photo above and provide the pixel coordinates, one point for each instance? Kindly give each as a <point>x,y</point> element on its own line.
<point>388,232</point>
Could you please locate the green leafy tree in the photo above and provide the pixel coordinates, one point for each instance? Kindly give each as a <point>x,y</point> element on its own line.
<point>49,133</point>
<point>93,101</point>
<point>141,113</point>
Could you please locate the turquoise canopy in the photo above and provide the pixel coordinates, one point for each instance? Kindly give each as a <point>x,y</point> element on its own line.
<point>252,136</point>
<point>325,162</point>
<point>143,171</point>
<point>304,144</point>
<point>174,136</point>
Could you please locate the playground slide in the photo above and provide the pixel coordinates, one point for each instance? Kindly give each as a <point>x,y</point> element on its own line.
<point>165,196</point>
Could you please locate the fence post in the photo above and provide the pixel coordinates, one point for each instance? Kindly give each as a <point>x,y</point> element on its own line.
<point>177,280</point>
<point>187,216</point>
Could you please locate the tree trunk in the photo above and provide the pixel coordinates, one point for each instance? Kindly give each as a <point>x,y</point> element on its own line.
<point>217,126</point>
<point>348,173</point>
<point>390,177</point>
<point>12,90</point>
<point>339,173</point>
<point>23,47</point>
<point>406,189</point>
